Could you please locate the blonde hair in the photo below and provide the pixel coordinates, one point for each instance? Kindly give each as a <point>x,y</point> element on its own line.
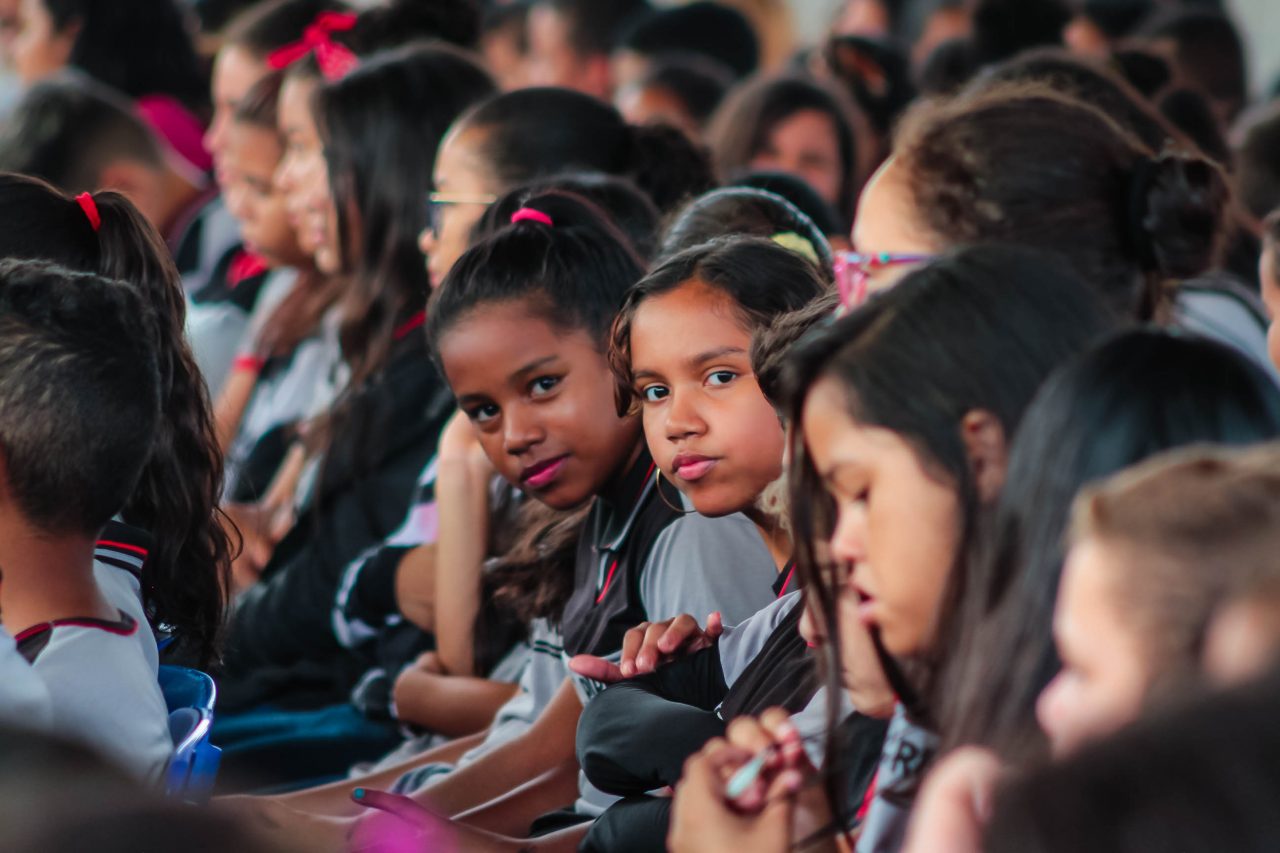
<point>1195,528</point>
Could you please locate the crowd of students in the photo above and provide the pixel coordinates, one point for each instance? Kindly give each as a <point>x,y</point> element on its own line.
<point>604,425</point>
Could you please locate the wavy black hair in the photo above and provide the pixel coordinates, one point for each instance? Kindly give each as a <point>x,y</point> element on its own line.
<point>176,499</point>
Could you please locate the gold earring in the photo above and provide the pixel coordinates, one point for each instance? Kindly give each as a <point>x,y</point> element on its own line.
<point>663,498</point>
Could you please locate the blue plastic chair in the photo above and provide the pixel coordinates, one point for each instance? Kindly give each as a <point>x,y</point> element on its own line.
<point>190,695</point>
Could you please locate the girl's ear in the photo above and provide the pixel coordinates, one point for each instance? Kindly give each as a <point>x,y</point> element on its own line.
<point>984,442</point>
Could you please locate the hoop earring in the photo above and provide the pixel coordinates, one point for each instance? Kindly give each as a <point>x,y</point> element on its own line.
<point>658,485</point>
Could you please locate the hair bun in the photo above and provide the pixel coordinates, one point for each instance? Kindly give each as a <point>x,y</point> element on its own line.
<point>1177,207</point>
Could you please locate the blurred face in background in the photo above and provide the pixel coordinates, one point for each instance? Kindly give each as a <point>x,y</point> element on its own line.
<point>38,48</point>
<point>303,177</point>
<point>252,155</point>
<point>234,73</point>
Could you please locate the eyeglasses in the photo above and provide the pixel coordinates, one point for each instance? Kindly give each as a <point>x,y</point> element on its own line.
<point>854,272</point>
<point>437,202</point>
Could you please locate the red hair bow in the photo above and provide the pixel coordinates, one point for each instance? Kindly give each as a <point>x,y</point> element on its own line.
<point>335,60</point>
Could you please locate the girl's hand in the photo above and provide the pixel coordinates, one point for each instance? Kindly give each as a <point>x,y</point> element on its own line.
<point>955,803</point>
<point>397,823</point>
<point>458,444</point>
<point>649,645</point>
<point>759,820</point>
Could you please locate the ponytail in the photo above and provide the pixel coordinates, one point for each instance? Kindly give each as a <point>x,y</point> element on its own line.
<point>560,252</point>
<point>185,579</point>
<point>1177,204</point>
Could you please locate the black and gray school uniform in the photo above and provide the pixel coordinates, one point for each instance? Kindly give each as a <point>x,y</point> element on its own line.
<point>282,647</point>
<point>636,736</point>
<point>639,559</point>
<point>218,313</point>
<point>642,559</point>
<point>909,749</point>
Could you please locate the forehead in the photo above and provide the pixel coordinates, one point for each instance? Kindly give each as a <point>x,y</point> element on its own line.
<point>692,316</point>
<point>295,101</point>
<point>826,421</point>
<point>808,126</point>
<point>488,343</point>
<point>887,219</point>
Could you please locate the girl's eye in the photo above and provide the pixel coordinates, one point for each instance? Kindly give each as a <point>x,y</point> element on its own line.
<point>721,377</point>
<point>543,385</point>
<point>654,393</point>
<point>482,414</point>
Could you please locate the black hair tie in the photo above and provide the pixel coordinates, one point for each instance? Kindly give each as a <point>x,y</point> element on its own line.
<point>1142,180</point>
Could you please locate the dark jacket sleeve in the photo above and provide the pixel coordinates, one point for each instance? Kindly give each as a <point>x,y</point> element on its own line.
<point>636,735</point>
<point>368,485</point>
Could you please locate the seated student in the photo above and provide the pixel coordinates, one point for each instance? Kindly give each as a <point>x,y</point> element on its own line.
<point>277,377</point>
<point>504,43</point>
<point>143,50</point>
<point>241,61</point>
<point>366,458</point>
<point>183,579</point>
<point>715,36</point>
<point>1206,50</point>
<point>1145,573</point>
<point>1198,779</point>
<point>503,143</point>
<point>570,42</point>
<point>474,589</point>
<point>523,350</point>
<point>797,125</point>
<point>78,374</point>
<point>903,406</point>
<point>1140,394</point>
<point>81,137</point>
<point>683,93</point>
<point>709,425</point>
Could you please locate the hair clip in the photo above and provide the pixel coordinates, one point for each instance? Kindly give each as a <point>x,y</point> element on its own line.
<point>90,208</point>
<point>528,214</point>
<point>335,60</point>
<point>797,243</point>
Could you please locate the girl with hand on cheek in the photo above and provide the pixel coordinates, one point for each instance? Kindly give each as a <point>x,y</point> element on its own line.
<point>903,408</point>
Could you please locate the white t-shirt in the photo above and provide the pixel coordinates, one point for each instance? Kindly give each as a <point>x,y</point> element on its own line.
<point>102,675</point>
<point>24,700</point>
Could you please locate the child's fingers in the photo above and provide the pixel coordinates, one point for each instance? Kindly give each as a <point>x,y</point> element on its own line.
<point>682,629</point>
<point>715,625</point>
<point>649,655</point>
<point>597,669</point>
<point>786,784</point>
<point>631,643</point>
<point>747,733</point>
<point>720,757</point>
<point>783,730</point>
<point>393,804</point>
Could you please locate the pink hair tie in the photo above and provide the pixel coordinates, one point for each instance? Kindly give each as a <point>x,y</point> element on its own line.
<point>335,60</point>
<point>90,208</point>
<point>528,214</point>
